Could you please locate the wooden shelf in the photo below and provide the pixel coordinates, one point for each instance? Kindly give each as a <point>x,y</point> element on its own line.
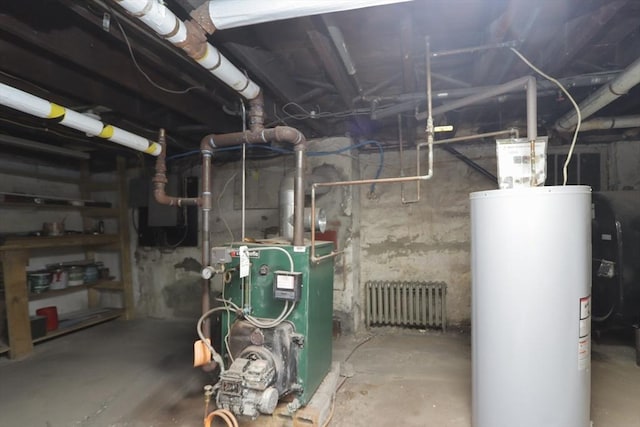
<point>101,315</point>
<point>15,253</point>
<point>57,292</point>
<point>39,242</point>
<point>92,211</point>
<point>85,319</point>
<point>108,285</point>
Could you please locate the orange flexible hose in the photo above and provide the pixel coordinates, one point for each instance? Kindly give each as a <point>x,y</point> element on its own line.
<point>226,415</point>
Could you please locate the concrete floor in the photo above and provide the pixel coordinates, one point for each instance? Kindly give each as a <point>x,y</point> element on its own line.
<point>139,374</point>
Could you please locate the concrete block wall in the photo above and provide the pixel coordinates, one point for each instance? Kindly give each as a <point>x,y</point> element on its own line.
<point>428,240</point>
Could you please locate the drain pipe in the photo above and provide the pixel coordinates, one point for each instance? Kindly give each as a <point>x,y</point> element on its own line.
<point>602,97</point>
<point>38,107</point>
<point>262,136</point>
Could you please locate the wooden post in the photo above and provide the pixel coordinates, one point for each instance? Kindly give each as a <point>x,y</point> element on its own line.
<point>93,295</point>
<point>125,240</point>
<point>17,301</point>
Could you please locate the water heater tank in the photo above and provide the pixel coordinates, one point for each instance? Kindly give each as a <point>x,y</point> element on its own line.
<point>531,314</point>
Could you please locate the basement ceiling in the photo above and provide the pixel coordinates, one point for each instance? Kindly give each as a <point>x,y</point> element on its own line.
<point>93,57</point>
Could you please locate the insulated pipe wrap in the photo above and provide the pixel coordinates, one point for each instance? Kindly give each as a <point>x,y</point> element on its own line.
<point>31,104</point>
<point>238,13</point>
<point>192,39</point>
<point>25,102</point>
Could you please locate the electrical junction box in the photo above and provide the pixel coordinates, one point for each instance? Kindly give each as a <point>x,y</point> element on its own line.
<point>286,285</point>
<point>220,255</point>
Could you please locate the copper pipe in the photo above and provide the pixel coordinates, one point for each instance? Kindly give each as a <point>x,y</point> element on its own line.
<point>401,179</point>
<point>160,179</point>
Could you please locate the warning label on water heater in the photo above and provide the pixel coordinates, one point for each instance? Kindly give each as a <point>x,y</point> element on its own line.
<point>584,334</point>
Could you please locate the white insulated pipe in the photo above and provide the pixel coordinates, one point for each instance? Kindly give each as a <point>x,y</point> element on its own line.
<point>36,106</point>
<point>227,14</point>
<point>604,123</point>
<point>602,97</point>
<point>166,24</point>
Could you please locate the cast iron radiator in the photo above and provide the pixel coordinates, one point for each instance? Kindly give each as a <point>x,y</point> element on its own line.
<point>408,304</point>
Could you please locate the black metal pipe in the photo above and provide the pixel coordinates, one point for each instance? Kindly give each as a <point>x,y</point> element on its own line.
<point>467,161</point>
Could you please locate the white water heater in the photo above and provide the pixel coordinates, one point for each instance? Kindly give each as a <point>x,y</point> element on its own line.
<point>531,307</point>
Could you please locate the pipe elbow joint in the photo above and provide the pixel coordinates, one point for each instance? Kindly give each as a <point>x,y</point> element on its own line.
<point>160,196</point>
<point>206,144</point>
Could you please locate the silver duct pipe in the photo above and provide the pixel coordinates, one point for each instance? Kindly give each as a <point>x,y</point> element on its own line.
<point>602,97</point>
<point>225,14</point>
<point>287,207</point>
<point>604,123</point>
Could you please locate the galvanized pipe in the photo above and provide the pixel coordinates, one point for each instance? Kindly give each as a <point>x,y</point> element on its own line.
<point>544,88</point>
<point>527,83</point>
<point>513,131</point>
<point>502,45</point>
<point>602,97</point>
<point>604,123</point>
<point>298,209</point>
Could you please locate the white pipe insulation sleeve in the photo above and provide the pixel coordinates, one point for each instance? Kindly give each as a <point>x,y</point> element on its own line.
<point>158,17</point>
<point>166,24</point>
<point>223,69</point>
<point>31,104</point>
<point>237,13</point>
<point>25,102</point>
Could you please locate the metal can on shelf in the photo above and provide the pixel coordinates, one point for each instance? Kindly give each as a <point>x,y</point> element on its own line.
<point>59,278</point>
<point>90,273</point>
<point>39,281</point>
<point>76,275</point>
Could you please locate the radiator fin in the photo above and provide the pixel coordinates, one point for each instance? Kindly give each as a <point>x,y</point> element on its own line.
<point>409,304</point>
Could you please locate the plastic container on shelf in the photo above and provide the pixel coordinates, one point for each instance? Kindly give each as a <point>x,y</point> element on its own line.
<point>51,313</point>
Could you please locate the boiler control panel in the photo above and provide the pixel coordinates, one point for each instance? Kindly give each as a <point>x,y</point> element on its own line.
<point>286,285</point>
